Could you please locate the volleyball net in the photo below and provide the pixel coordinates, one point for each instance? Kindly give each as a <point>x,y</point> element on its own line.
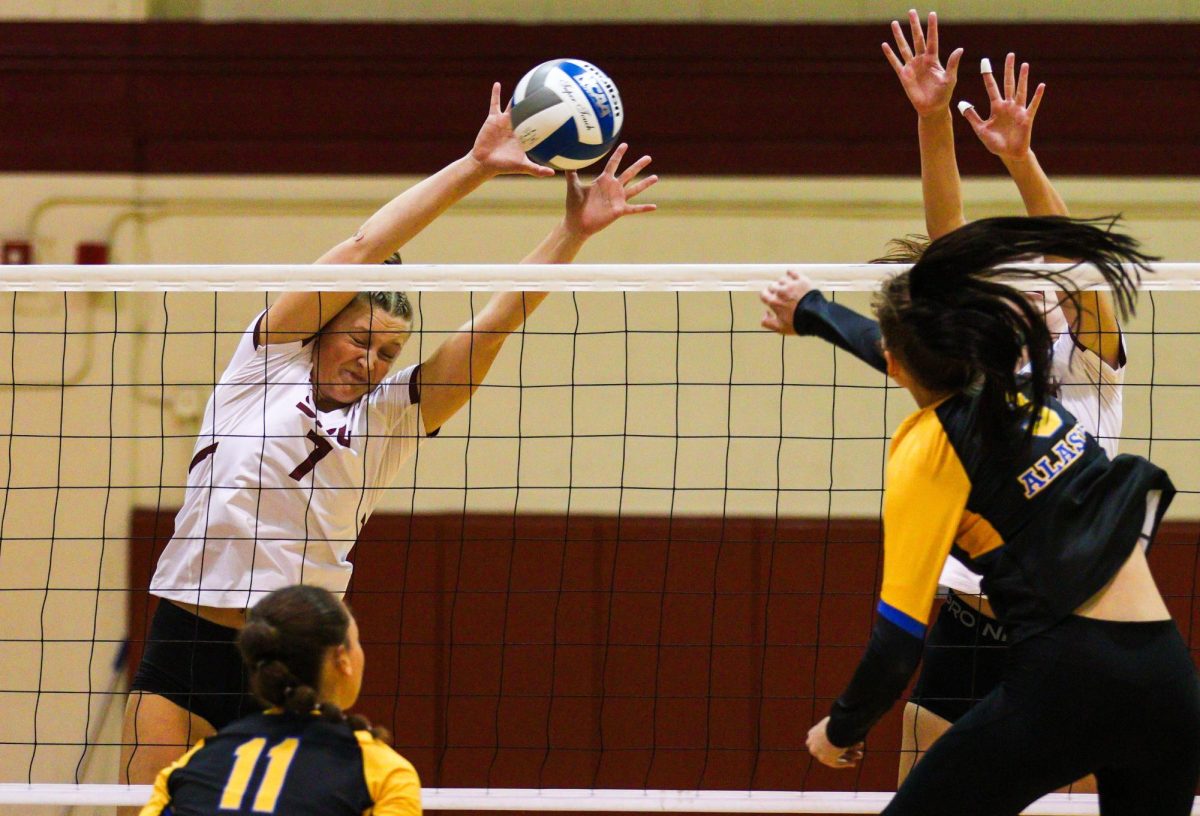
<point>629,575</point>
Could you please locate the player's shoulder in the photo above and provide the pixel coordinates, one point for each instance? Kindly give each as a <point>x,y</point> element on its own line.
<point>392,781</point>
<point>924,432</point>
<point>928,444</point>
<point>251,349</point>
<point>403,384</point>
<point>381,759</point>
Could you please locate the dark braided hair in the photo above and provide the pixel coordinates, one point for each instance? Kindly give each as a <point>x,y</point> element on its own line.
<point>284,643</point>
<point>956,329</point>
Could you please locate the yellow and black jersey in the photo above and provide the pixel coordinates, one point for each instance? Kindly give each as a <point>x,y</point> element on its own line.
<point>1046,528</point>
<point>287,764</point>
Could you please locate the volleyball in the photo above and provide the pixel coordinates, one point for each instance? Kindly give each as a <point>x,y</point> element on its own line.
<point>567,113</point>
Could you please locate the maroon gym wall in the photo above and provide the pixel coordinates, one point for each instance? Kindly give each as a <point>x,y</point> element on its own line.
<point>523,651</point>
<point>702,99</point>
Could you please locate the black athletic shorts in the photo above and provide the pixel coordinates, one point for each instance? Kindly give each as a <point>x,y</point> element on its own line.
<point>963,660</point>
<point>195,664</point>
<point>1118,700</point>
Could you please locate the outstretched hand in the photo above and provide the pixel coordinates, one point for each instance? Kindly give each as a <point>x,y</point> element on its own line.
<point>1008,130</point>
<point>496,147</point>
<point>592,207</point>
<point>781,299</point>
<point>928,84</point>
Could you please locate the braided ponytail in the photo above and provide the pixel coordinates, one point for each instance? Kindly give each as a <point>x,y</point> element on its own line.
<point>284,643</point>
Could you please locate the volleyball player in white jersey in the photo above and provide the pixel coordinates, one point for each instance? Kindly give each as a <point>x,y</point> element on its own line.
<point>306,428</point>
<point>964,651</point>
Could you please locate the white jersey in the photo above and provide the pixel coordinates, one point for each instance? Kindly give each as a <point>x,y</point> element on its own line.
<point>278,490</point>
<point>1091,390</point>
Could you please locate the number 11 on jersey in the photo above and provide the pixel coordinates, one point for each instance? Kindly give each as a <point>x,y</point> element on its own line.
<point>248,753</point>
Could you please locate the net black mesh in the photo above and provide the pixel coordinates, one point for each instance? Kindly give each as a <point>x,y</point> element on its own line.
<point>645,555</point>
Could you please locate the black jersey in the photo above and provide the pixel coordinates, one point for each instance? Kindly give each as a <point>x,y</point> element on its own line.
<point>1047,528</point>
<point>282,763</point>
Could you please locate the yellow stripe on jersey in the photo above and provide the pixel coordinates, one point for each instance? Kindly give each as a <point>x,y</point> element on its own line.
<point>160,797</point>
<point>926,495</point>
<point>391,779</point>
<point>976,535</point>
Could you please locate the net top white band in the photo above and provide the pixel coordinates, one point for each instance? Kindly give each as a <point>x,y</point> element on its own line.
<point>501,277</point>
<point>567,801</point>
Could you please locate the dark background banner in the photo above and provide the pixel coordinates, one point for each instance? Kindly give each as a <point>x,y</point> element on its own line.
<point>702,99</point>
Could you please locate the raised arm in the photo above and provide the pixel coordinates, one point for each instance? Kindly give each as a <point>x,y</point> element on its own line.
<point>795,306</point>
<point>456,369</point>
<point>929,87</point>
<point>300,315</point>
<point>1008,134</point>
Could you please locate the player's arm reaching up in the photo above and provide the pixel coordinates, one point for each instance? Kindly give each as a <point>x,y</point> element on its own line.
<point>794,306</point>
<point>496,151</point>
<point>455,370</point>
<point>929,86</point>
<point>1008,134</point>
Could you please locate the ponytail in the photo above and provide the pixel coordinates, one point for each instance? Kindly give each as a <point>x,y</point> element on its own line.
<point>284,643</point>
<point>958,329</point>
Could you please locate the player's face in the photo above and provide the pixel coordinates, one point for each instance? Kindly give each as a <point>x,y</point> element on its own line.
<point>355,351</point>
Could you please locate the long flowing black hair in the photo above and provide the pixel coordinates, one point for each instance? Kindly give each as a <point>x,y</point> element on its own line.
<point>284,643</point>
<point>958,329</point>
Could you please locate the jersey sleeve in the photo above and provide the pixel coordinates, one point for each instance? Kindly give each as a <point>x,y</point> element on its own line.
<point>391,779</point>
<point>1073,364</point>
<point>1091,390</point>
<point>160,796</point>
<point>253,361</point>
<point>398,397</point>
<point>845,328</point>
<point>923,508</point>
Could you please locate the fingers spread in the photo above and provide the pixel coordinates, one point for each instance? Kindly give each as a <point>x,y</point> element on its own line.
<point>931,44</point>
<point>614,161</point>
<point>901,43</point>
<point>1037,99</point>
<point>1023,85</point>
<point>641,186</point>
<point>495,105</point>
<point>952,63</point>
<point>989,82</point>
<point>970,114</point>
<point>1010,82</point>
<point>631,172</point>
<point>892,59</point>
<point>914,25</point>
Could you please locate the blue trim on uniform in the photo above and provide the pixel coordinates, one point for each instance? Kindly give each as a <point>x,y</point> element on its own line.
<point>910,625</point>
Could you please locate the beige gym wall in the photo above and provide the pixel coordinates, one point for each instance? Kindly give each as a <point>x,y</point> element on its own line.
<point>51,536</point>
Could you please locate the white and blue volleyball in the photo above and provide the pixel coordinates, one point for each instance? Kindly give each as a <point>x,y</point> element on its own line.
<point>567,114</point>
